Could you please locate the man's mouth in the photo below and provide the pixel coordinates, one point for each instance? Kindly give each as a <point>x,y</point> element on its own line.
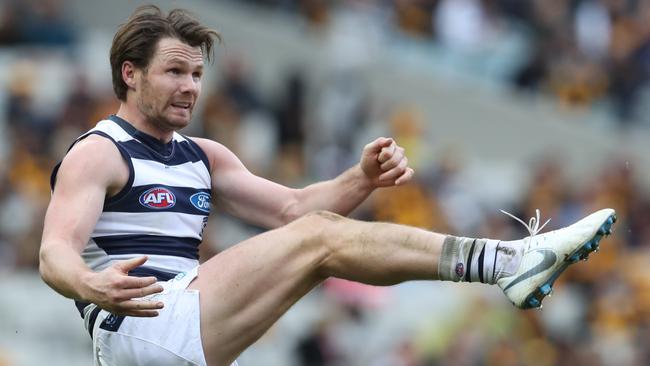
<point>182,105</point>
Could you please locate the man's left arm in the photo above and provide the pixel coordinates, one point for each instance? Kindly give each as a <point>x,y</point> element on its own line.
<point>265,203</point>
<point>383,164</point>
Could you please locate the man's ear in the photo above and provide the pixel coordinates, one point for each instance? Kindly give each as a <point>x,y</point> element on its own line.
<point>128,74</point>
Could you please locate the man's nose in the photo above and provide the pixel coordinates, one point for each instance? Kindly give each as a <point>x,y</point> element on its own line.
<point>190,84</point>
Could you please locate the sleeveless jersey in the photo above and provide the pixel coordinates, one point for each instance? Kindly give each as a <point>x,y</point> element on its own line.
<point>161,211</point>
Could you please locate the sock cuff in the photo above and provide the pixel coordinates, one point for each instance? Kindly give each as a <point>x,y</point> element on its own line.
<point>450,268</point>
<point>475,262</point>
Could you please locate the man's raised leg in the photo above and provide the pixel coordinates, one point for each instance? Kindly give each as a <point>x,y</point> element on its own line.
<point>245,289</point>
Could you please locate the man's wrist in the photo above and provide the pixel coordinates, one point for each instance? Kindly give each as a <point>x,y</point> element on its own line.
<point>84,289</point>
<point>362,180</point>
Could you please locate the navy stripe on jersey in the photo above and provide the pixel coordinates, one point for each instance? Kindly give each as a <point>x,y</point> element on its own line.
<point>144,271</point>
<point>148,198</point>
<point>149,244</point>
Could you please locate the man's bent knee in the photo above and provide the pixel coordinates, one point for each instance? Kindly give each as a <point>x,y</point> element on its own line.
<point>318,223</point>
<point>325,216</point>
<point>328,226</point>
<point>318,231</point>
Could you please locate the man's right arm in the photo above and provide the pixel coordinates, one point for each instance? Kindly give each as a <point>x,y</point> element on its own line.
<point>92,169</point>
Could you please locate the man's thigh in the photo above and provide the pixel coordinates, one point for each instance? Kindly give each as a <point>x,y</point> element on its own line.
<point>246,288</point>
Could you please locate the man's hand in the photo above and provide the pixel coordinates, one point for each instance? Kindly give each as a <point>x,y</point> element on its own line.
<point>114,290</point>
<point>384,163</point>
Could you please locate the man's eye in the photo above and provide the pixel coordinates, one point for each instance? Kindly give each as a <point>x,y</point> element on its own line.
<point>175,71</point>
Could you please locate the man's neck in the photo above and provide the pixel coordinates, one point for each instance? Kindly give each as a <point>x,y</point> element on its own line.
<point>139,121</point>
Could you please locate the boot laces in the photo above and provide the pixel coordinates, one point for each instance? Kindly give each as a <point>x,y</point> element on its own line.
<point>533,224</point>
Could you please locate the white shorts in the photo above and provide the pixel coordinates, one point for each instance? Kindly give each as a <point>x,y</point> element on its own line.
<point>172,338</point>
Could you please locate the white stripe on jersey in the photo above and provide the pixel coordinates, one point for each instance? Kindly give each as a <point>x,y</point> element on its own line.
<point>145,223</point>
<point>112,129</point>
<point>165,263</point>
<point>183,175</point>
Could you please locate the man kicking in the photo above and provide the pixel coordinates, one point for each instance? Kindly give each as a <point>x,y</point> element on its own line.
<point>132,196</point>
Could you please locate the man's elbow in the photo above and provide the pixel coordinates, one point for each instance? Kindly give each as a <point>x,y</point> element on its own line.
<point>43,267</point>
<point>291,212</point>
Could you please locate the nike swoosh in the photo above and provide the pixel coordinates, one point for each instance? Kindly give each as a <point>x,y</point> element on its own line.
<point>546,263</point>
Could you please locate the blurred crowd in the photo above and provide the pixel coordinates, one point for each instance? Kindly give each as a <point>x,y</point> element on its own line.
<point>583,52</point>
<point>589,54</point>
<point>34,23</point>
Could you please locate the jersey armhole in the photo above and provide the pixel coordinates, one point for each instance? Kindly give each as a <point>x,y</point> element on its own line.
<point>199,151</point>
<point>125,155</point>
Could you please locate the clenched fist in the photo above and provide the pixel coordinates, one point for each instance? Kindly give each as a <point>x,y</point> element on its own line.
<point>384,163</point>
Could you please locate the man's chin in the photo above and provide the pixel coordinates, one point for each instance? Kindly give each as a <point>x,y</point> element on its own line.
<point>176,122</point>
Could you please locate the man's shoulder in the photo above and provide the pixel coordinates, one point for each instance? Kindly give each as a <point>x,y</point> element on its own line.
<point>94,144</point>
<point>95,158</point>
<point>94,147</point>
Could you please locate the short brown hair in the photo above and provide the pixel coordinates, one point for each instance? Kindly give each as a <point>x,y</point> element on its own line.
<point>136,40</point>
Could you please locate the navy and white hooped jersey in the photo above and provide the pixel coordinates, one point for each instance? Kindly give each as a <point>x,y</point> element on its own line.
<point>162,210</point>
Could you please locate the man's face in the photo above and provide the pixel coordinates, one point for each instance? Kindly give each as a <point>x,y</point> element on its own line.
<point>168,90</point>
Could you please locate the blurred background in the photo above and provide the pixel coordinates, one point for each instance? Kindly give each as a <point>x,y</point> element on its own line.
<point>500,104</point>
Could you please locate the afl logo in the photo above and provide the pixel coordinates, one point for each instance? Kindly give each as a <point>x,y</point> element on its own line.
<point>158,198</point>
<point>201,201</point>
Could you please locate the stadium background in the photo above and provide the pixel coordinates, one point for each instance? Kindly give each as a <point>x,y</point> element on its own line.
<point>500,104</point>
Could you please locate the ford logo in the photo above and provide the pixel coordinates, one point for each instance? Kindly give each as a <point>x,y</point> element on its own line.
<point>201,201</point>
